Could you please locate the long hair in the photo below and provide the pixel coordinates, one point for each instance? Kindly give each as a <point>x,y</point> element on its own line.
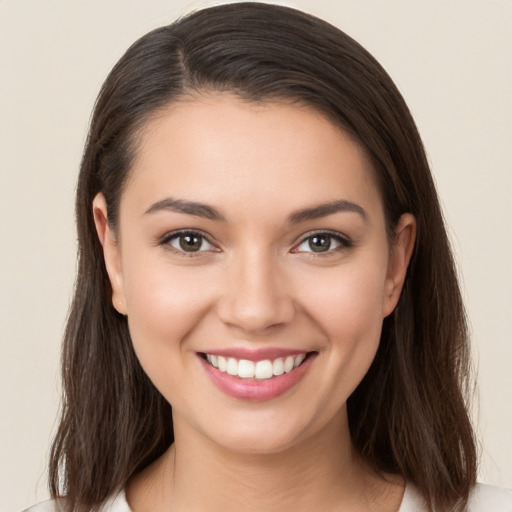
<point>409,414</point>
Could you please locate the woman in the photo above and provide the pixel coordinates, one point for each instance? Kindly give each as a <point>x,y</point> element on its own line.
<point>261,247</point>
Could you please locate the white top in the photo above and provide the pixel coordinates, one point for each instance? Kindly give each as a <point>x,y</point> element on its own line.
<point>484,498</point>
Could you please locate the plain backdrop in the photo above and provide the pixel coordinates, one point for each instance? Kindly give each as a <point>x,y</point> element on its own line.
<point>450,58</point>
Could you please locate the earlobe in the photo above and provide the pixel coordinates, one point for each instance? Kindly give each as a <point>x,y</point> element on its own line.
<point>111,252</point>
<point>400,256</point>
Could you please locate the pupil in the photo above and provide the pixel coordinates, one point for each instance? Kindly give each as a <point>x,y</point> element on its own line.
<point>190,242</point>
<point>320,243</point>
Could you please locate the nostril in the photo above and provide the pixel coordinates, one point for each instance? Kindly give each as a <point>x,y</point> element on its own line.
<point>256,315</point>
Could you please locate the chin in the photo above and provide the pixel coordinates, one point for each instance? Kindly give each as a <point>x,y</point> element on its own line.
<point>265,434</point>
<point>257,442</point>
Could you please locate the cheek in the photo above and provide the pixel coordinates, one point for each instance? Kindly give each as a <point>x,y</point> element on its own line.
<point>347,299</point>
<point>165,303</point>
<point>347,307</point>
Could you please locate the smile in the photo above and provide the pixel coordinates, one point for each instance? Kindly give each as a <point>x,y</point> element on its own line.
<point>260,370</point>
<point>256,376</point>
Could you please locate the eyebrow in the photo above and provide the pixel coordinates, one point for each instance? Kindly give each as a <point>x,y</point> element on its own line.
<point>323,210</point>
<point>189,207</point>
<point>302,215</point>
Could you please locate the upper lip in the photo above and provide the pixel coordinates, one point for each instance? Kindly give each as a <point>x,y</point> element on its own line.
<point>255,354</point>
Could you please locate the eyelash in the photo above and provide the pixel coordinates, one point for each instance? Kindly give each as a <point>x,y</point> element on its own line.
<point>343,241</point>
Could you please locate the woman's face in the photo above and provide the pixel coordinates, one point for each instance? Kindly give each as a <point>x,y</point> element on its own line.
<point>252,238</point>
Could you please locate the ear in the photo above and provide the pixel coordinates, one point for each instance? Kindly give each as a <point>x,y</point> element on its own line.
<point>111,253</point>
<point>400,256</point>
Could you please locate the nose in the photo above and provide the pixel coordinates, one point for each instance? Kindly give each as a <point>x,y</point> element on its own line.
<point>255,298</point>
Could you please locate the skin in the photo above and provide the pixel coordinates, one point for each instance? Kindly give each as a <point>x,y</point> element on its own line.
<point>256,282</point>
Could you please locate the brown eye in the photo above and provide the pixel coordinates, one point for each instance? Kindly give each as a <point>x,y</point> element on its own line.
<point>320,243</point>
<point>323,243</point>
<point>189,242</point>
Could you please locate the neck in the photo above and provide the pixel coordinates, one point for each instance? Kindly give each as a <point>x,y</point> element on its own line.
<point>195,474</point>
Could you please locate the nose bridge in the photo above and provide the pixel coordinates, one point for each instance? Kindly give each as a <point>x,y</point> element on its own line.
<point>256,295</point>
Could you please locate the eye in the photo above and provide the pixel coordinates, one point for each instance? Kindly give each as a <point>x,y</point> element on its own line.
<point>322,243</point>
<point>188,241</point>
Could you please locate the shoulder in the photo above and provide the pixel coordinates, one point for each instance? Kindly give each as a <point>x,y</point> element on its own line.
<point>487,498</point>
<point>116,503</point>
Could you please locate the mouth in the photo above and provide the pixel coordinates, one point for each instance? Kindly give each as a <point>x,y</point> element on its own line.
<point>259,370</point>
<point>256,379</point>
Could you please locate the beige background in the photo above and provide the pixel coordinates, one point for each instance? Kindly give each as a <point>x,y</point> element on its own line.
<point>450,58</point>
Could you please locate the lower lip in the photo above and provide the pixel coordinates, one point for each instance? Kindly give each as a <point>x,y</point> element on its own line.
<point>252,389</point>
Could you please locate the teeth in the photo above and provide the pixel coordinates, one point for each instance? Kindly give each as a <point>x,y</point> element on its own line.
<point>223,364</point>
<point>278,366</point>
<point>298,360</point>
<point>261,370</point>
<point>246,369</point>
<point>232,368</point>
<point>288,364</point>
<point>213,360</point>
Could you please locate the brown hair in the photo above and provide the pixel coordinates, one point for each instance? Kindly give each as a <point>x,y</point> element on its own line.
<point>408,416</point>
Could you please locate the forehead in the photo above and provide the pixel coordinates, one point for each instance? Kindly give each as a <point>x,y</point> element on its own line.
<point>278,156</point>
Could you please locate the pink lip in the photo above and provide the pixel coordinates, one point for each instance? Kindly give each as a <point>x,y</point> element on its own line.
<point>255,355</point>
<point>252,389</point>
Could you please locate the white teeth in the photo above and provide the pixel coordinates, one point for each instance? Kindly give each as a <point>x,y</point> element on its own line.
<point>299,360</point>
<point>278,366</point>
<point>288,364</point>
<point>232,368</point>
<point>261,370</point>
<point>245,369</point>
<point>212,360</point>
<point>223,364</point>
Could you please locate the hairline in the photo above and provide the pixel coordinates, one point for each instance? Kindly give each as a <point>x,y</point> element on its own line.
<point>143,127</point>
